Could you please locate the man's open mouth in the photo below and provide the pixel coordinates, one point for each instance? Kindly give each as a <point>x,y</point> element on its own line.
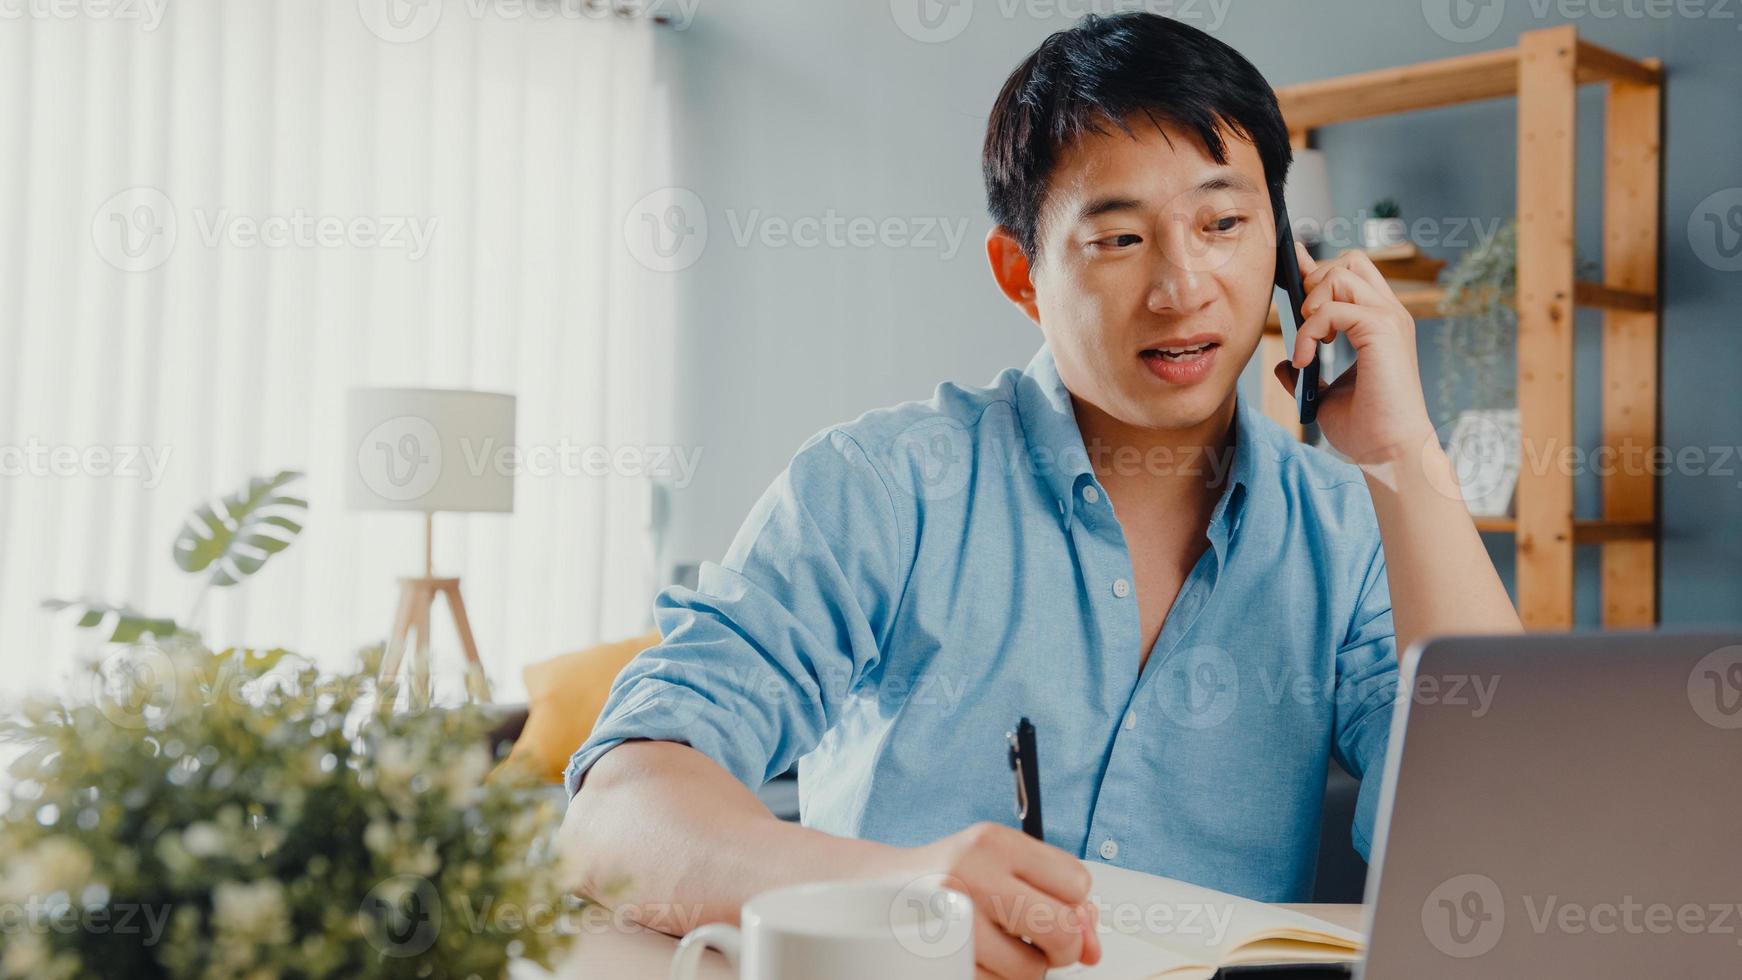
<point>1181,354</point>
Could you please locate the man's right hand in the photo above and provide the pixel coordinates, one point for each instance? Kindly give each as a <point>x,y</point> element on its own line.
<point>1023,889</point>
<point>660,826</point>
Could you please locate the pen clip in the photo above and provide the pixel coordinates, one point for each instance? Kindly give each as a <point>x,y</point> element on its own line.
<point>1016,768</point>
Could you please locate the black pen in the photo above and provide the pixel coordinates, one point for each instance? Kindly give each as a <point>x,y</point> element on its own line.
<point>1025,763</point>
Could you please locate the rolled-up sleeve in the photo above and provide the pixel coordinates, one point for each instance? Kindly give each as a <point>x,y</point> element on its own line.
<point>757,659</point>
<point>1366,690</point>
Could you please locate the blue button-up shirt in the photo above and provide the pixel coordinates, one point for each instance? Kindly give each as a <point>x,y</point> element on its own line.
<point>919,579</point>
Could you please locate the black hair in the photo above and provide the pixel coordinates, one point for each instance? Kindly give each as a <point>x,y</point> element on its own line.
<point>1110,69</point>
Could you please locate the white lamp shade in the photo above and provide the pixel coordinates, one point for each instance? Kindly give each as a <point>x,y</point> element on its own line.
<point>429,450</point>
<point>1308,194</point>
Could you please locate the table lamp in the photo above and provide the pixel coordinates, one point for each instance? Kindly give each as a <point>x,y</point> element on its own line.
<point>1308,195</point>
<point>429,450</point>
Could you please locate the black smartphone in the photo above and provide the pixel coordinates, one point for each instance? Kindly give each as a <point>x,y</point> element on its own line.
<point>1306,389</point>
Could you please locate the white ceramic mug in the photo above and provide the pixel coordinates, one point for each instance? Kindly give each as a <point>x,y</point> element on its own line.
<point>849,930</point>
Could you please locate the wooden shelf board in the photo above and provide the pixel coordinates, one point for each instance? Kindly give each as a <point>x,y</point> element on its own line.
<point>1423,301</point>
<point>1600,64</point>
<point>1445,82</point>
<point>1584,531</point>
<point>1428,85</point>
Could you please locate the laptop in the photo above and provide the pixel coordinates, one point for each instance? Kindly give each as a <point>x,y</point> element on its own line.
<point>1562,805</point>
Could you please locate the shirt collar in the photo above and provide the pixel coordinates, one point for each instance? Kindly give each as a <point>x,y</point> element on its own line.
<point>1049,425</point>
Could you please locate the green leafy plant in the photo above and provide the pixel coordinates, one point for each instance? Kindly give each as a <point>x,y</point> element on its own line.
<point>227,540</point>
<point>1387,207</point>
<point>241,814</point>
<point>1481,323</point>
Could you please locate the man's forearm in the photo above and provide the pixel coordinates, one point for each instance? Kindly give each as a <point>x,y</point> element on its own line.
<point>663,833</point>
<point>1441,578</point>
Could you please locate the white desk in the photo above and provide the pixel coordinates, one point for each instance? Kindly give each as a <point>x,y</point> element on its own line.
<point>636,954</point>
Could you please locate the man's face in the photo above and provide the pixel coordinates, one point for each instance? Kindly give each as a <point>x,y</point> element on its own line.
<point>1147,244</point>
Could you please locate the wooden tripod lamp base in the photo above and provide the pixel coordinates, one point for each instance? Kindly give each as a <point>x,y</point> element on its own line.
<point>397,439</point>
<point>416,597</point>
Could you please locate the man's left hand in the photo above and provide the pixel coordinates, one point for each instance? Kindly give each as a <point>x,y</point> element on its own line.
<point>1374,412</point>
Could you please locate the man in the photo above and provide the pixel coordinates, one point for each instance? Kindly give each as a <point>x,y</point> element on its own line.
<point>1194,609</point>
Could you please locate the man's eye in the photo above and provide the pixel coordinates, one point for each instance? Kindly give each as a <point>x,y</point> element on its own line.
<point>1120,241</point>
<point>1227,222</point>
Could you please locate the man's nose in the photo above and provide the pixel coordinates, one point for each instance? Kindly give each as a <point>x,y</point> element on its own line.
<point>1182,279</point>
<point>1179,290</point>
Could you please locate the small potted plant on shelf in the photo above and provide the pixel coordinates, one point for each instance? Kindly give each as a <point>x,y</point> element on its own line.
<point>1385,227</point>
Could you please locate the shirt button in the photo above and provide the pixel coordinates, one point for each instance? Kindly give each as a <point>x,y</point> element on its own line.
<point>1121,588</point>
<point>1090,494</point>
<point>1130,720</point>
<point>1109,849</point>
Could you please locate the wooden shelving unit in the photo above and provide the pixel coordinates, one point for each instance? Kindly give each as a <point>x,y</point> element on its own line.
<point>1544,72</point>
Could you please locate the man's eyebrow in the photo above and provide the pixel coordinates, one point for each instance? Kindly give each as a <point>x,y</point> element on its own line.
<point>1231,180</point>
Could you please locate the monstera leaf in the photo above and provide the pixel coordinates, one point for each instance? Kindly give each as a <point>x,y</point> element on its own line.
<point>234,536</point>
<point>124,623</point>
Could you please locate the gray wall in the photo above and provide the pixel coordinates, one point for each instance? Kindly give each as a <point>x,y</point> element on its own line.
<point>794,109</point>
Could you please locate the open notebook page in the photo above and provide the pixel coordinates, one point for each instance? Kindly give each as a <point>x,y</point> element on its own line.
<point>1160,927</point>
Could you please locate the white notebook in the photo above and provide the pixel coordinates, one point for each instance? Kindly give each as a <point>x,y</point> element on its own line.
<point>1155,927</point>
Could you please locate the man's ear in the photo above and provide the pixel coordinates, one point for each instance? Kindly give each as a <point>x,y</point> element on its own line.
<point>1010,268</point>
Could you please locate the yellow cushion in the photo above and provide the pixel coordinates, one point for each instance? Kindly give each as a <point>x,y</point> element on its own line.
<point>564,697</point>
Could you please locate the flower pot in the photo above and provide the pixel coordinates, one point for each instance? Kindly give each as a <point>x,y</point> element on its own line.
<point>1380,232</point>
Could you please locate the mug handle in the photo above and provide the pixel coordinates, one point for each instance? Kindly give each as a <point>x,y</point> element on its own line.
<point>727,939</point>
